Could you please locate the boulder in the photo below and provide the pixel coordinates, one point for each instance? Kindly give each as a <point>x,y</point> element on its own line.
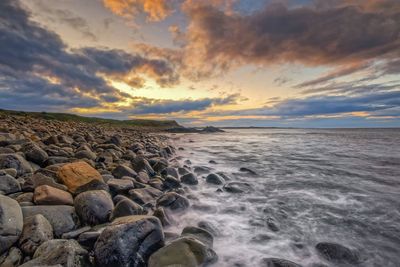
<point>94,207</point>
<point>337,253</point>
<point>15,161</point>
<point>141,164</point>
<point>173,201</point>
<point>67,253</point>
<point>126,207</point>
<point>213,178</point>
<point>122,170</point>
<point>76,174</point>
<point>185,251</point>
<point>62,218</point>
<point>11,222</point>
<point>275,262</point>
<point>200,234</point>
<point>35,154</point>
<point>189,179</point>
<point>36,231</point>
<point>8,184</point>
<point>144,195</point>
<point>129,241</point>
<point>47,195</point>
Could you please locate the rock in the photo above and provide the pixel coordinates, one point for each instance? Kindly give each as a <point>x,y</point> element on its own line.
<point>185,251</point>
<point>129,241</point>
<point>92,185</point>
<point>337,253</point>
<point>213,178</point>
<point>62,218</point>
<point>11,222</point>
<point>25,197</point>
<point>47,195</point>
<point>160,164</point>
<point>209,227</point>
<point>169,171</point>
<point>8,184</point>
<point>157,184</point>
<point>144,195</point>
<point>94,207</point>
<point>10,171</point>
<point>119,186</point>
<point>200,234</point>
<point>36,231</point>
<point>76,174</point>
<point>53,160</point>
<point>15,161</point>
<point>39,179</point>
<point>272,224</point>
<point>173,201</point>
<point>13,258</point>
<point>67,253</point>
<point>85,154</point>
<point>189,179</point>
<point>201,169</point>
<point>163,216</point>
<point>122,170</point>
<point>182,171</point>
<point>141,164</point>
<point>171,182</point>
<point>126,207</point>
<point>237,187</point>
<point>275,262</point>
<point>35,154</point>
<point>143,177</point>
<point>248,170</point>
<point>116,140</point>
<point>89,238</point>
<point>74,234</point>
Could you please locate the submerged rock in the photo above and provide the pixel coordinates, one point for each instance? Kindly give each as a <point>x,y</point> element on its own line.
<point>213,178</point>
<point>237,187</point>
<point>189,179</point>
<point>275,262</point>
<point>337,253</point>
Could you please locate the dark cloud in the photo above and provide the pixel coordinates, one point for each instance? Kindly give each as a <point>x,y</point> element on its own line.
<point>35,64</point>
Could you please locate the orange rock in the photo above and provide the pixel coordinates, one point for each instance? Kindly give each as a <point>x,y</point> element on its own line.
<point>47,195</point>
<point>76,174</point>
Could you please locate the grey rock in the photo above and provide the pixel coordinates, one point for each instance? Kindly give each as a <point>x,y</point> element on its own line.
<point>171,182</point>
<point>200,234</point>
<point>275,262</point>
<point>144,195</point>
<point>91,186</point>
<point>11,222</point>
<point>189,179</point>
<point>163,216</point>
<point>337,253</point>
<point>119,186</point>
<point>129,241</point>
<point>85,154</point>
<point>213,178</point>
<point>122,170</point>
<point>94,207</point>
<point>173,201</point>
<point>143,177</point>
<point>126,207</point>
<point>169,171</point>
<point>15,161</point>
<point>141,164</point>
<point>13,258</point>
<point>237,187</point>
<point>9,184</point>
<point>74,234</point>
<point>37,230</point>
<point>35,154</point>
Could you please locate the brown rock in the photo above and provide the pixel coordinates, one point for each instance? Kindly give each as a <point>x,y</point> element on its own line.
<point>76,174</point>
<point>47,195</point>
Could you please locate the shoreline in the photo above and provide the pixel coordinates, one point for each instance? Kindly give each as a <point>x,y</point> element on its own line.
<point>80,194</point>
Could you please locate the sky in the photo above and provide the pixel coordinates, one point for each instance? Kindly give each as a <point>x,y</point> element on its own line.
<point>278,63</point>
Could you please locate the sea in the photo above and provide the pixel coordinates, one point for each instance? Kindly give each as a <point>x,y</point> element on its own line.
<point>307,186</point>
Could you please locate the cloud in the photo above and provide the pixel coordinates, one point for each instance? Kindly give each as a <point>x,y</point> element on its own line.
<point>35,64</point>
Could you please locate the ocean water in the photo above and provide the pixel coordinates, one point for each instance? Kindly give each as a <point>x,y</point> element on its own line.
<point>310,186</point>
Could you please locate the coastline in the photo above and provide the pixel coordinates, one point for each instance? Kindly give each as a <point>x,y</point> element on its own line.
<point>86,194</point>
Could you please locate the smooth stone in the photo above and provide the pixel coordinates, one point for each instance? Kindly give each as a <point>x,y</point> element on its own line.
<point>76,174</point>
<point>62,218</point>
<point>85,154</point>
<point>209,227</point>
<point>337,253</point>
<point>141,164</point>
<point>67,253</point>
<point>185,251</point>
<point>35,154</point>
<point>126,207</point>
<point>144,195</point>
<point>237,187</point>
<point>10,171</point>
<point>25,197</point>
<point>163,216</point>
<point>171,182</point>
<point>92,185</point>
<point>9,184</point>
<point>47,195</point>
<point>74,234</point>
<point>11,222</point>
<point>39,179</point>
<point>170,171</point>
<point>15,161</point>
<point>12,259</point>
<point>94,207</point>
<point>213,178</point>
<point>189,179</point>
<point>275,262</point>
<point>142,177</point>
<point>157,184</point>
<point>200,234</point>
<point>129,241</point>
<point>173,201</point>
<point>272,224</point>
<point>248,170</point>
<point>119,186</point>
<point>122,170</point>
<point>182,171</point>
<point>37,230</point>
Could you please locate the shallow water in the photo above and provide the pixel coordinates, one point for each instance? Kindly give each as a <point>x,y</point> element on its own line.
<point>314,185</point>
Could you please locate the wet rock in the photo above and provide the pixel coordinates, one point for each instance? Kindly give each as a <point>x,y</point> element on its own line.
<point>8,184</point>
<point>76,174</point>
<point>122,170</point>
<point>237,187</point>
<point>37,230</point>
<point>189,179</point>
<point>62,218</point>
<point>13,258</point>
<point>89,238</point>
<point>182,171</point>
<point>209,227</point>
<point>144,195</point>
<point>213,178</point>
<point>160,164</point>
<point>35,154</point>
<point>337,253</point>
<point>94,207</point>
<point>200,234</point>
<point>141,164</point>
<point>119,186</point>
<point>92,185</point>
<point>185,251</point>
<point>15,161</point>
<point>169,171</point>
<point>275,262</point>
<point>59,251</point>
<point>248,170</point>
<point>126,207</point>
<point>129,241</point>
<point>201,170</point>
<point>171,182</point>
<point>260,239</point>
<point>47,195</point>
<point>163,216</point>
<point>11,222</point>
<point>173,201</point>
<point>157,184</point>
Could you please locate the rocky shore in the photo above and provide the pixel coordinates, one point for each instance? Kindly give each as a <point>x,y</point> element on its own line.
<point>86,194</point>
